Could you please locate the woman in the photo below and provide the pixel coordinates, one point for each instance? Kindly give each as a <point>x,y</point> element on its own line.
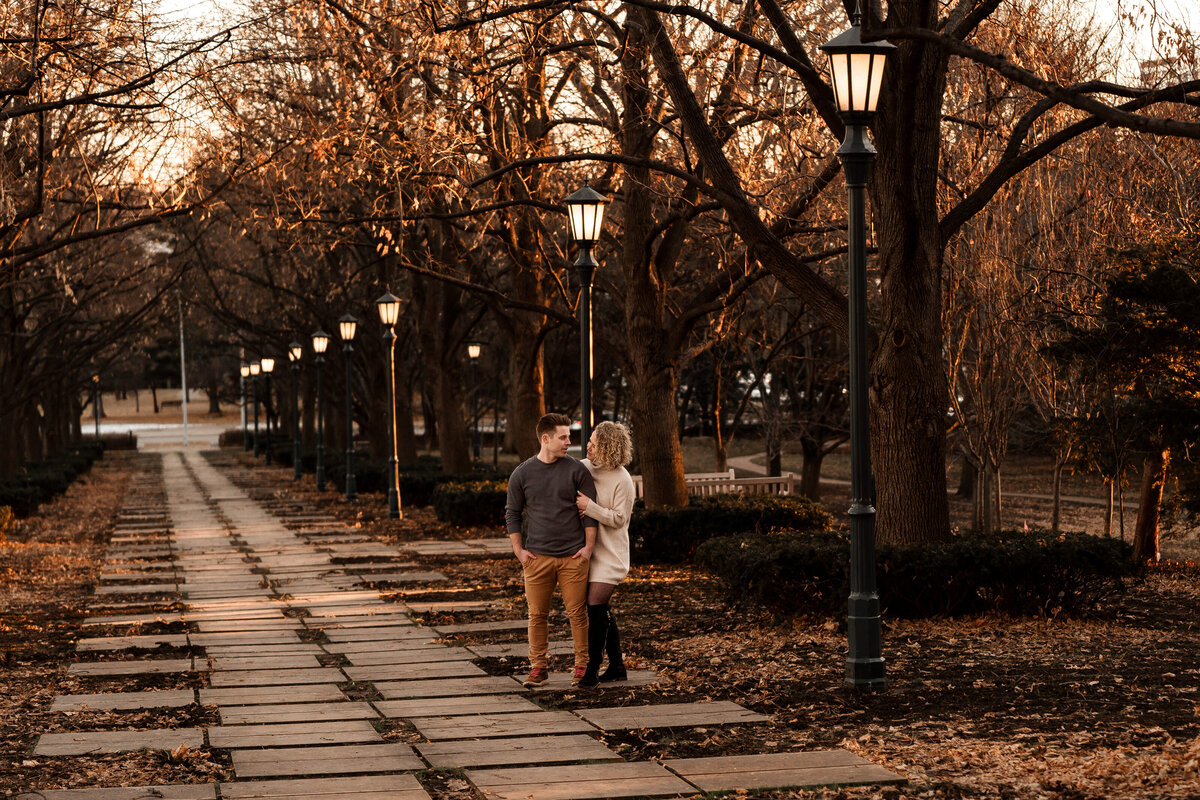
<point>609,449</point>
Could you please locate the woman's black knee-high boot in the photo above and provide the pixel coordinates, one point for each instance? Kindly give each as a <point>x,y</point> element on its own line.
<point>598,620</point>
<point>612,645</point>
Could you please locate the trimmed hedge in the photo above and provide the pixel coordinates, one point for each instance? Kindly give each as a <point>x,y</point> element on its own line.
<point>477,503</point>
<point>661,534</point>
<point>1015,573</point>
<point>671,535</point>
<point>41,481</point>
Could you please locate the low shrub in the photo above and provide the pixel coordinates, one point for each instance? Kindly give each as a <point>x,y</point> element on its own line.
<point>672,534</point>
<point>40,481</point>
<point>1016,573</point>
<point>475,503</point>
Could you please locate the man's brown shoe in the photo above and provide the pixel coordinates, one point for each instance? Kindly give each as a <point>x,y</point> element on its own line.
<point>537,676</point>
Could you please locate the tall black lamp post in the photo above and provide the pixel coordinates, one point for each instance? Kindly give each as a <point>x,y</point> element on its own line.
<point>857,70</point>
<point>96,403</point>
<point>585,211</point>
<point>268,366</point>
<point>347,325</point>
<point>473,350</point>
<point>320,341</point>
<point>389,311</point>
<point>244,369</point>
<point>295,351</point>
<point>255,368</point>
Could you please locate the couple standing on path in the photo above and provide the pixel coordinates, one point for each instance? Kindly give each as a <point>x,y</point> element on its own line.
<point>577,538</point>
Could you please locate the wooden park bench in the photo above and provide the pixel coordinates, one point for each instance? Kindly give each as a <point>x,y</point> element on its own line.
<point>706,484</point>
<point>170,404</point>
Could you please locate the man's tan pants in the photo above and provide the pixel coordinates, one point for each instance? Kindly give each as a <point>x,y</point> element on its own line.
<point>570,575</point>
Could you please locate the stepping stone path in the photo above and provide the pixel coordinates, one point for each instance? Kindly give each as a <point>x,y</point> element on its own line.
<point>307,665</point>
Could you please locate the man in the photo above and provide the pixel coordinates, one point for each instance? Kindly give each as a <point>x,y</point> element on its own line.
<point>558,542</point>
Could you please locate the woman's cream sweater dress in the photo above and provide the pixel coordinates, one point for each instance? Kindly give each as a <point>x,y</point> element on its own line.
<point>611,509</point>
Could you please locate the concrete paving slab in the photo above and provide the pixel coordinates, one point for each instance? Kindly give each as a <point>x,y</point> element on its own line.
<point>85,742</point>
<point>720,712</point>
<point>453,706</point>
<point>283,677</point>
<point>149,641</point>
<point>450,687</point>
<point>496,726</point>
<point>579,782</point>
<point>267,662</point>
<point>124,701</point>
<point>561,682</point>
<point>100,669</point>
<point>406,654</point>
<point>206,791</point>
<point>290,734</point>
<point>518,649</point>
<point>508,752</point>
<point>296,712</point>
<point>777,770</point>
<point>333,760</point>
<point>271,695</point>
<point>409,672</point>
<point>374,787</point>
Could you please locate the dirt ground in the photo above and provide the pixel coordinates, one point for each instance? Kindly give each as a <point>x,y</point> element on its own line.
<point>983,707</point>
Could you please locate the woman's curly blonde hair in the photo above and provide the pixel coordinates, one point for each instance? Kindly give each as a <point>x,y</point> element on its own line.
<point>614,448</point>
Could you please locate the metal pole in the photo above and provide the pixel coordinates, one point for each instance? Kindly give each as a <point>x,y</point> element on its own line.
<point>269,407</point>
<point>320,428</point>
<point>182,370</point>
<point>245,416</point>
<point>96,404</point>
<point>393,496</point>
<point>587,268</point>
<point>864,664</point>
<point>350,490</point>
<point>254,380</point>
<point>496,423</point>
<point>475,407</point>
<point>296,420</point>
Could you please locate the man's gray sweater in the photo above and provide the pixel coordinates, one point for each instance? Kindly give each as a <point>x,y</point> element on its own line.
<point>545,493</point>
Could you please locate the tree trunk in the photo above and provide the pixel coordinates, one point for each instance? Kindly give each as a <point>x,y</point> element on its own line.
<point>453,441</point>
<point>308,407</point>
<point>656,439</point>
<point>154,396</point>
<point>1145,533</point>
<point>1060,462</point>
<point>1108,509</point>
<point>526,389</point>
<point>968,479</point>
<point>406,437</point>
<point>214,397</point>
<point>810,469</point>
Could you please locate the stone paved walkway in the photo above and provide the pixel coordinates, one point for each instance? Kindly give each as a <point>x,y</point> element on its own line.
<point>294,638</point>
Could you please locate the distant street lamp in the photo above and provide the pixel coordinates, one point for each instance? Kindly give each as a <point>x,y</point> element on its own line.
<point>96,403</point>
<point>347,325</point>
<point>389,311</point>
<point>268,366</point>
<point>585,212</point>
<point>320,341</point>
<point>473,351</point>
<point>295,351</point>
<point>244,369</point>
<point>857,70</point>
<point>255,368</point>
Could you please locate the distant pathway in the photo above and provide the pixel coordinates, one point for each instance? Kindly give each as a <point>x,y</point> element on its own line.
<point>310,670</point>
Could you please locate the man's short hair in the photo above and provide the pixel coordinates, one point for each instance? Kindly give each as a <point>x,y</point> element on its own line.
<point>550,422</point>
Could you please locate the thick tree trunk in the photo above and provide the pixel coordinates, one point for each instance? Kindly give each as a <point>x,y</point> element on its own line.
<point>406,437</point>
<point>214,397</point>
<point>968,479</point>
<point>810,469</point>
<point>656,440</point>
<point>908,375</point>
<point>308,406</point>
<point>1145,533</point>
<point>526,388</point>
